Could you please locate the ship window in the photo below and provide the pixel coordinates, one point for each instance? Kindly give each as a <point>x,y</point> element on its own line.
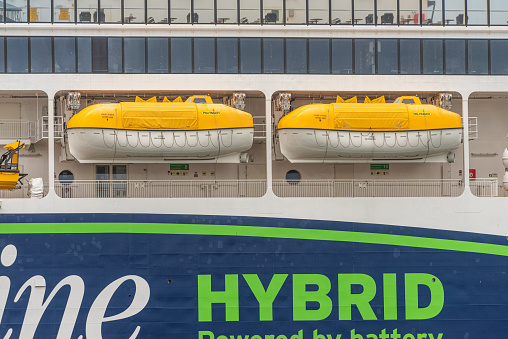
<point>40,10</point>
<point>365,56</point>
<point>250,55</point>
<point>478,56</point>
<point>66,177</point>
<point>477,12</point>
<point>134,11</point>
<point>410,12</point>
<point>204,12</point>
<point>249,11</point>
<point>408,101</point>
<point>227,55</point>
<point>158,61</point>
<point>409,56</point>
<point>318,12</point>
<point>387,56</point>
<point>319,56</point>
<point>432,56</point>
<point>227,11</point>
<point>41,55</point>
<point>65,56</point>
<point>498,9</point>
<point>364,12</point>
<point>296,13</point>
<point>85,55</point>
<point>432,12</point>
<point>87,10</point>
<point>204,55</point>
<point>157,12</point>
<point>20,14</point>
<point>63,11</point>
<point>115,55</point>
<point>273,55</point>
<point>455,53</point>
<point>272,12</point>
<point>342,56</point>
<point>296,55</point>
<point>293,177</point>
<point>341,12</point>
<point>99,54</point>
<point>454,13</point>
<point>181,55</point>
<point>111,11</point>
<point>2,56</point>
<point>498,53</point>
<point>387,11</point>
<point>180,11</point>
<point>134,55</point>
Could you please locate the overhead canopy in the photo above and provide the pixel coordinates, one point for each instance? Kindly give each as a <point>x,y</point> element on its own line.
<point>159,116</point>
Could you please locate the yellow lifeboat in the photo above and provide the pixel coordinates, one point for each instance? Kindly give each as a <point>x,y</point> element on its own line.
<point>196,130</point>
<point>374,131</point>
<point>9,168</point>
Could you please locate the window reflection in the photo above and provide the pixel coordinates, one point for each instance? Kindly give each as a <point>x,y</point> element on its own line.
<point>272,12</point>
<point>17,55</point>
<point>18,12</point>
<point>181,55</point>
<point>180,11</point>
<point>134,11</point>
<point>387,56</point>
<point>498,12</point>
<point>364,56</point>
<point>115,64</point>
<point>296,55</point>
<point>63,10</point>
<point>478,57</point>
<point>319,12</point>
<point>99,54</point>
<point>249,11</point>
<point>498,60</point>
<point>273,55</point>
<point>364,12</point>
<point>342,56</point>
<point>2,56</point>
<point>410,13</point>
<point>65,55</point>
<point>433,56</point>
<point>476,12</point>
<point>85,55</point>
<point>409,56</point>
<point>387,12</point>
<point>204,12</point>
<point>227,11</point>
<point>341,12</point>
<point>296,12</point>
<point>87,10</point>
<point>454,13</point>
<point>157,12</point>
<point>158,61</point>
<point>227,55</point>
<point>455,54</point>
<point>40,10</point>
<point>111,11</point>
<point>134,55</point>
<point>41,55</point>
<point>204,55</point>
<point>432,12</point>
<point>250,55</point>
<point>319,56</point>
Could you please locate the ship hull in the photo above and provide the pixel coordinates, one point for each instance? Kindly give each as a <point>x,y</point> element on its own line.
<point>312,145</point>
<point>97,145</point>
<point>147,275</point>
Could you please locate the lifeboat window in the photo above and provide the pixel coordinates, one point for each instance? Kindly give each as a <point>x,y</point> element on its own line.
<point>408,101</point>
<point>293,177</point>
<point>397,101</point>
<point>200,101</point>
<point>66,177</point>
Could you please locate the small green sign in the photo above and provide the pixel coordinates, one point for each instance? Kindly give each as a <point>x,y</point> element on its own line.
<point>178,167</point>
<point>379,167</point>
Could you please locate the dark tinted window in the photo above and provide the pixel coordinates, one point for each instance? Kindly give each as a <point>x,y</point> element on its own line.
<point>432,57</point>
<point>134,55</point>
<point>364,56</point>
<point>17,55</point>
<point>2,56</point>
<point>498,56</point>
<point>409,56</point>
<point>99,54</point>
<point>250,55</point>
<point>181,55</point>
<point>319,56</point>
<point>85,55</point>
<point>41,55</point>
<point>273,55</point>
<point>227,55</point>
<point>65,56</point>
<point>115,55</point>
<point>296,55</point>
<point>204,55</point>
<point>387,56</point>
<point>342,56</point>
<point>455,54</point>
<point>478,56</point>
<point>158,61</point>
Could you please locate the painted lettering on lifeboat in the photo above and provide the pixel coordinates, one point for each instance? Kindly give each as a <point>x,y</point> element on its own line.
<point>350,132</point>
<point>132,132</point>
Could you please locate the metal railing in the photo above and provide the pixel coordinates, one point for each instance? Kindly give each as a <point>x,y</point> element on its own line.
<point>20,193</point>
<point>485,187</point>
<point>368,188</point>
<point>15,129</point>
<point>161,189</point>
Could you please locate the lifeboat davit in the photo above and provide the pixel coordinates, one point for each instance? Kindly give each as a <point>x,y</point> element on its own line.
<point>350,132</point>
<point>10,174</point>
<point>133,132</point>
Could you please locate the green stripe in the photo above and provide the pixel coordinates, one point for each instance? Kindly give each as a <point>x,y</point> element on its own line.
<point>257,231</point>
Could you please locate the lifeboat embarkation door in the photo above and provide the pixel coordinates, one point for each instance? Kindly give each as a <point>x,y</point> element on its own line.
<point>111,181</point>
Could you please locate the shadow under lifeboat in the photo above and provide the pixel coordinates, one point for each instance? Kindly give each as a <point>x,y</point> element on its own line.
<point>196,130</point>
<point>374,131</point>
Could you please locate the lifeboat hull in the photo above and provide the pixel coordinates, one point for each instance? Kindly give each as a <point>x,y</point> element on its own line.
<point>101,145</point>
<point>8,180</point>
<point>335,146</point>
